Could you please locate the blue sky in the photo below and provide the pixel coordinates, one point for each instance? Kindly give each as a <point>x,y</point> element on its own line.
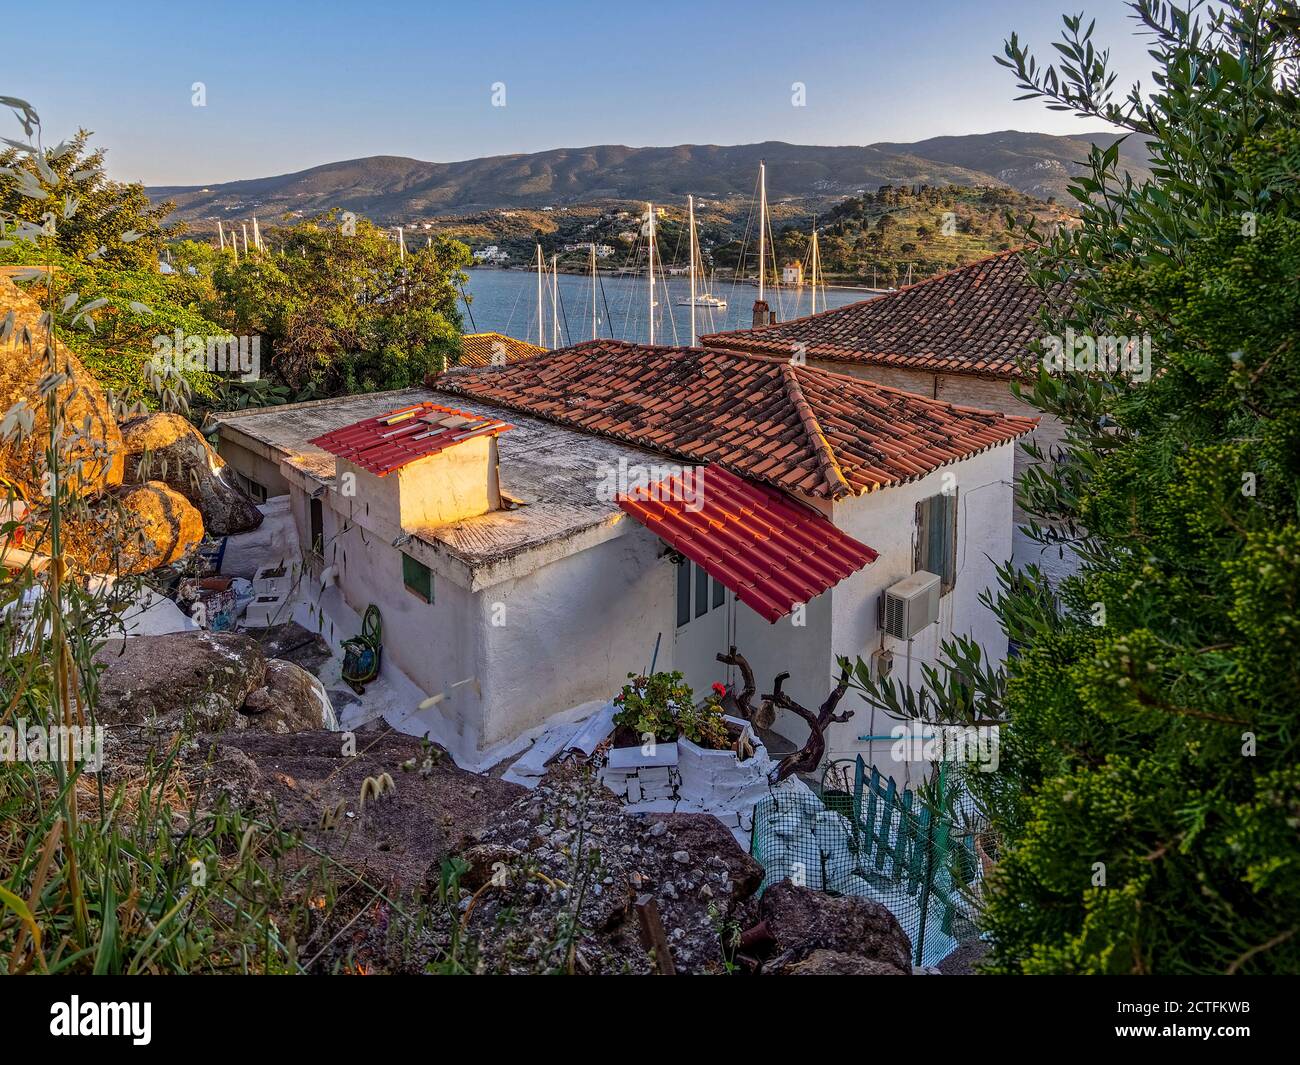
<point>294,85</point>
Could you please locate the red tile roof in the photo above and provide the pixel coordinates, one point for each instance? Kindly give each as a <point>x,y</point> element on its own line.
<point>391,441</point>
<point>978,319</point>
<point>772,551</point>
<point>492,349</point>
<point>797,428</point>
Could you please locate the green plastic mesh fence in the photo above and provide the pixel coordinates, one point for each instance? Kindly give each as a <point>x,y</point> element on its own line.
<point>868,838</point>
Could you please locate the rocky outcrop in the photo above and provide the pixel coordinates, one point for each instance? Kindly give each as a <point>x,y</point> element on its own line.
<point>290,700</point>
<point>570,838</point>
<point>812,932</point>
<point>200,678</point>
<point>212,681</point>
<point>168,448</point>
<point>837,963</point>
<point>91,443</point>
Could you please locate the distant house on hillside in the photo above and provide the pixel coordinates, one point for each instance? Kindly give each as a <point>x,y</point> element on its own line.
<point>535,531</point>
<point>494,349</point>
<point>958,337</point>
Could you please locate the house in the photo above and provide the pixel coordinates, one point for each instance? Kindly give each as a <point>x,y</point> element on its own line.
<point>959,337</point>
<point>493,349</point>
<point>792,274</point>
<point>533,532</point>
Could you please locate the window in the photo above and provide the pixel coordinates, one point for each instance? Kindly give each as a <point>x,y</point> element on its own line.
<point>317,515</point>
<point>417,577</point>
<point>683,593</point>
<point>709,593</point>
<point>936,538</point>
<point>256,492</point>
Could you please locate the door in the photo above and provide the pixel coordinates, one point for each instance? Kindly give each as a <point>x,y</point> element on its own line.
<point>705,609</point>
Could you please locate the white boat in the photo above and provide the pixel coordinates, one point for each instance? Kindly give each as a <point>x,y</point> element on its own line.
<point>702,300</point>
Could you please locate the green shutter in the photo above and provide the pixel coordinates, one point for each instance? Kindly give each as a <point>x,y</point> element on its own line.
<point>417,577</point>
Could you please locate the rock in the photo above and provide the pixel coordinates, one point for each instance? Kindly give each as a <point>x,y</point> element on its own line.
<point>202,677</point>
<point>802,921</point>
<point>290,700</point>
<point>92,447</point>
<point>166,447</point>
<point>144,527</point>
<point>705,834</point>
<point>681,857</point>
<point>485,860</point>
<point>837,963</point>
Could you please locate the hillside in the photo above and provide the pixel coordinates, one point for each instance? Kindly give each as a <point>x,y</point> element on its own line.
<point>391,189</point>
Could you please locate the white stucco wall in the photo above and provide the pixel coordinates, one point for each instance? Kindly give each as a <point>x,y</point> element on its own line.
<point>571,631</point>
<point>886,521</point>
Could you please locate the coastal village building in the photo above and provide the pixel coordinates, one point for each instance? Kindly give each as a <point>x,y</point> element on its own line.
<point>534,532</point>
<point>958,337</point>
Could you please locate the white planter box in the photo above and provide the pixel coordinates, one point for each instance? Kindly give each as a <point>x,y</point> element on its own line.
<point>718,779</point>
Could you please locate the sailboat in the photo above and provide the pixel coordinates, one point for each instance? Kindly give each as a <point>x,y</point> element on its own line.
<point>697,299</point>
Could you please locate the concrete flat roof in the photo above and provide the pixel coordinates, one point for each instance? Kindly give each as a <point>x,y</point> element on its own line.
<point>553,472</point>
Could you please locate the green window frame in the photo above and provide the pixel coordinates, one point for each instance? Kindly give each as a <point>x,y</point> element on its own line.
<point>417,577</point>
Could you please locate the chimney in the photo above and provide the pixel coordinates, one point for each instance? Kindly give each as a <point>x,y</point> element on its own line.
<point>763,314</point>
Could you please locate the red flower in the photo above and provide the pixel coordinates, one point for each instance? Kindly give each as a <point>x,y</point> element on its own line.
<point>721,689</point>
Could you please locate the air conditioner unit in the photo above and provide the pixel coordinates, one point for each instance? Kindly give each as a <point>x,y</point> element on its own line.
<point>912,604</point>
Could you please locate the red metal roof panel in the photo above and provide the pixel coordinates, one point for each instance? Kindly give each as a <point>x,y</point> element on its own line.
<point>772,551</point>
<point>391,441</point>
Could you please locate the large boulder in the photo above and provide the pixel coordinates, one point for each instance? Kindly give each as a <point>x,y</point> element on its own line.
<point>290,700</point>
<point>200,677</point>
<point>132,530</point>
<point>809,927</point>
<point>90,441</point>
<point>166,447</point>
<point>158,527</point>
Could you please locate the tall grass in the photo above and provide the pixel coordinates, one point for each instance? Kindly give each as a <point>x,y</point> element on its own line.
<point>143,877</point>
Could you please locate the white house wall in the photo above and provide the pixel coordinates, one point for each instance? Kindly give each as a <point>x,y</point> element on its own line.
<point>886,521</point>
<point>570,632</point>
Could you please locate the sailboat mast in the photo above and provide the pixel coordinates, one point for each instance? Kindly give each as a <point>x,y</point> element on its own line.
<point>650,211</point>
<point>541,328</point>
<point>814,267</point>
<point>593,290</point>
<point>690,206</point>
<point>762,226</point>
<point>555,302</point>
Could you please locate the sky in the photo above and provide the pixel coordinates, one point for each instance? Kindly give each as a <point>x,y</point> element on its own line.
<point>288,86</point>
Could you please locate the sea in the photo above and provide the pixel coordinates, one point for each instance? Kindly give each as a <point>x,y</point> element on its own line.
<point>505,301</point>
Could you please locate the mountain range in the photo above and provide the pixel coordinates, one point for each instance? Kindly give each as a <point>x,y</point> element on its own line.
<point>390,189</point>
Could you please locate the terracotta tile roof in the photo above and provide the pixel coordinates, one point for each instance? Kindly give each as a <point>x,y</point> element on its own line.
<point>391,441</point>
<point>797,428</point>
<point>481,349</point>
<point>977,319</point>
<point>772,551</point>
